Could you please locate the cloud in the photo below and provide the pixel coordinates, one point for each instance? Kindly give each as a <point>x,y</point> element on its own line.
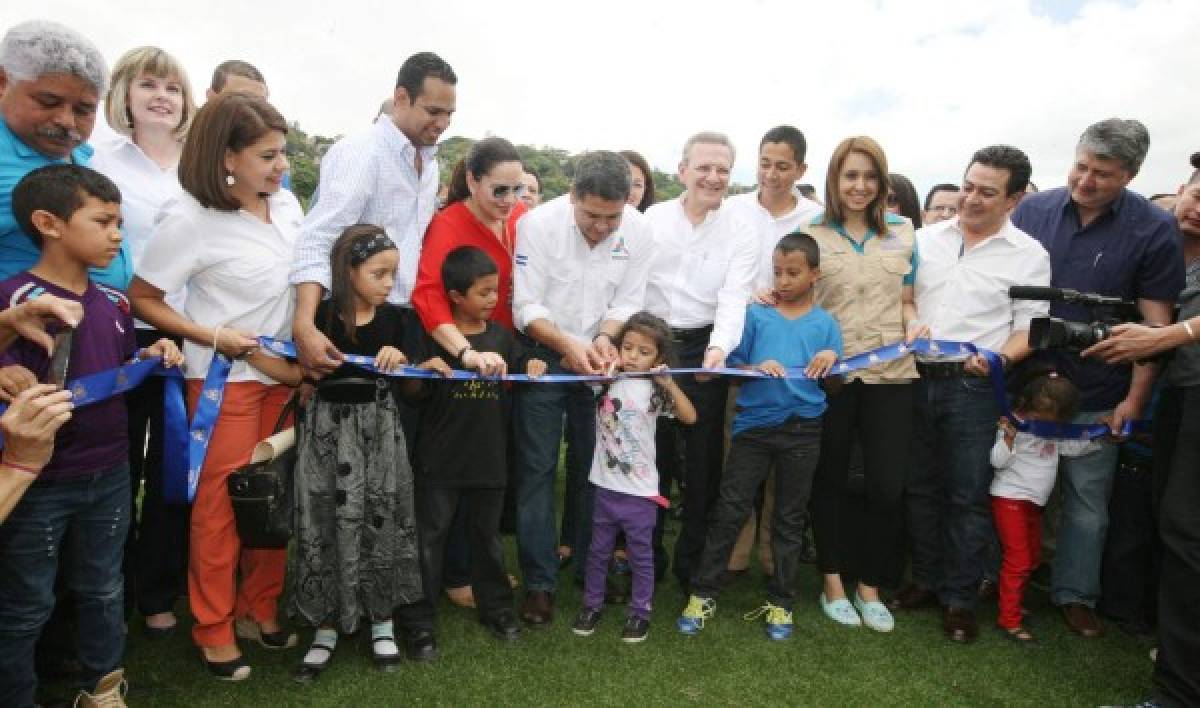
<point>931,80</point>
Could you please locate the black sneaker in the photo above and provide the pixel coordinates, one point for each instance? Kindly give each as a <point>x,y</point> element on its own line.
<point>586,621</point>
<point>635,630</point>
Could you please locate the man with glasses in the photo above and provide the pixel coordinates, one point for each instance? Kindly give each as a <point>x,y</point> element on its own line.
<point>581,271</point>
<point>703,273</point>
<point>941,203</point>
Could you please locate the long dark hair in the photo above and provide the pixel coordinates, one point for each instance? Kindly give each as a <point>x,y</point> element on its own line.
<point>341,260</point>
<point>908,204</point>
<point>484,155</point>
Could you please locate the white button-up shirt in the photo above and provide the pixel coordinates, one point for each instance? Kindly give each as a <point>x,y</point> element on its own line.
<point>963,295</point>
<point>370,178</point>
<point>235,268</point>
<point>145,189</point>
<point>702,275</point>
<point>771,228</point>
<point>560,277</point>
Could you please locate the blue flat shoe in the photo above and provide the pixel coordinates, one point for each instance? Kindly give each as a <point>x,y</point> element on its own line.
<point>840,611</point>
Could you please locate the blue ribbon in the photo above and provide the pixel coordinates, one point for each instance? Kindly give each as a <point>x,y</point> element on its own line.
<point>181,474</point>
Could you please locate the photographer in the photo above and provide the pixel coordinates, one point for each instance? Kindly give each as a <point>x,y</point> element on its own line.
<point>1102,238</point>
<point>1176,461</point>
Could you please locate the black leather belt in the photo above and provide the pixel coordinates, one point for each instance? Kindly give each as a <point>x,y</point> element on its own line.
<point>680,336</point>
<point>942,369</point>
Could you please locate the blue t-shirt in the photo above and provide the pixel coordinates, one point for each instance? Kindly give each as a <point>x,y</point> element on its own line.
<point>763,403</point>
<point>17,251</point>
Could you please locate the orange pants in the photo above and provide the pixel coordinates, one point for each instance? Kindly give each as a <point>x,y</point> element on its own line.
<point>249,411</point>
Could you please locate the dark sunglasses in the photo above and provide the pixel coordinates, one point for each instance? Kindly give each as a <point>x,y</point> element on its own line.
<point>500,191</point>
<point>892,200</point>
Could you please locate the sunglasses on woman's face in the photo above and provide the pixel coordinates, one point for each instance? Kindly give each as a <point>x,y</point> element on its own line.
<point>892,200</point>
<point>501,191</point>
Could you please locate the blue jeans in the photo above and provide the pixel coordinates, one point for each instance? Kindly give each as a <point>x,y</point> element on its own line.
<point>539,430</point>
<point>949,510</point>
<point>92,515</point>
<point>1086,483</point>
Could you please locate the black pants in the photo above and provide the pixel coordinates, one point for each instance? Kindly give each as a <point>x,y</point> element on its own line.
<point>436,508</point>
<point>792,449</point>
<point>156,549</point>
<point>1177,450</point>
<point>1129,574</point>
<point>859,532</point>
<point>692,454</point>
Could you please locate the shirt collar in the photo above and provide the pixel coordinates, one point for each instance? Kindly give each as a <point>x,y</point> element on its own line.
<point>397,139</point>
<point>709,218</point>
<point>80,155</point>
<point>1007,231</point>
<point>1114,207</point>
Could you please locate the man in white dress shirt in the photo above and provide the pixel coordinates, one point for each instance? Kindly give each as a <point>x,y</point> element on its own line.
<point>705,263</point>
<point>966,267</point>
<point>386,175</point>
<point>581,269</point>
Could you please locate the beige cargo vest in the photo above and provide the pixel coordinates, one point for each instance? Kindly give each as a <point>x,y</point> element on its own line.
<point>863,293</point>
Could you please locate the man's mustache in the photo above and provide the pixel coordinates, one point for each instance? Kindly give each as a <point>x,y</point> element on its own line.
<point>60,134</point>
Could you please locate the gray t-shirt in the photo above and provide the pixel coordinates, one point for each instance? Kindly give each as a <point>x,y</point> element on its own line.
<point>1184,369</point>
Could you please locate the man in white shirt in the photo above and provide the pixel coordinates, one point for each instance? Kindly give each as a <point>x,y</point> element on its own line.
<point>388,176</point>
<point>776,209</point>
<point>581,267</point>
<point>704,267</point>
<point>966,267</point>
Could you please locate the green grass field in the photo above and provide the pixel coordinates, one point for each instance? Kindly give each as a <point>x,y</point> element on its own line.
<point>732,663</point>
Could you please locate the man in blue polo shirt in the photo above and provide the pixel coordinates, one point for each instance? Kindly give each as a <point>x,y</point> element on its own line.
<point>51,81</point>
<point>1102,238</point>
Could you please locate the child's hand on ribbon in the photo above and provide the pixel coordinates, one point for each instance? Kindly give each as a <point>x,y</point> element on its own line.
<point>390,359</point>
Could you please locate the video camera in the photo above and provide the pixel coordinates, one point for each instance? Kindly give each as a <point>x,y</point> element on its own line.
<point>1055,333</point>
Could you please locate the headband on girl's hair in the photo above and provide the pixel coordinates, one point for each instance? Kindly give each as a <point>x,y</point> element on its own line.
<point>363,250</point>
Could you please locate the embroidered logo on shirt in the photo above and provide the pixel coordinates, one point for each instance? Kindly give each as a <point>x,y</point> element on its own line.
<point>521,259</point>
<point>889,242</point>
<point>619,251</point>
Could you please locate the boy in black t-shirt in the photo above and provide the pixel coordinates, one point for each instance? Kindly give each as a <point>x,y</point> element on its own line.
<point>462,445</point>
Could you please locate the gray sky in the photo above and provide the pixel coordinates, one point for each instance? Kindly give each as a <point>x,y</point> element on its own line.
<point>931,80</point>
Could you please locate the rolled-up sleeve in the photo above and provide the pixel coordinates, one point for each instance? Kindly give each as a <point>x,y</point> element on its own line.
<point>1037,272</point>
<point>735,292</point>
<point>529,276</point>
<point>345,185</point>
<point>630,294</point>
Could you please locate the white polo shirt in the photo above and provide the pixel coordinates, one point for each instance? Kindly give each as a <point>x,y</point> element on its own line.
<point>963,295</point>
<point>235,268</point>
<point>702,275</point>
<point>560,277</point>
<point>771,228</point>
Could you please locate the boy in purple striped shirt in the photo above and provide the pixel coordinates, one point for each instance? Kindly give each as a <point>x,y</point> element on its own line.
<point>82,497</point>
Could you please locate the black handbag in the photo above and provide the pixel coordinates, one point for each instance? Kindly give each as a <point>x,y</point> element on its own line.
<point>261,491</point>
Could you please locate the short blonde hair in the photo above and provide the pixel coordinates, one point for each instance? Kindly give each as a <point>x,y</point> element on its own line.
<point>150,61</point>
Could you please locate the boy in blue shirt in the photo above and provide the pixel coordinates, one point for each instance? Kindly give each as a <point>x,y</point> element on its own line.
<point>777,423</point>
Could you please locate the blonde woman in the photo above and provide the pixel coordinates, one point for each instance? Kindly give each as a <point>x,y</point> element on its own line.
<point>149,109</point>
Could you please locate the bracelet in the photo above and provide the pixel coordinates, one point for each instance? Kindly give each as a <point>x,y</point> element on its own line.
<point>462,352</point>
<point>217,336</point>
<point>23,468</point>
<point>1187,326</point>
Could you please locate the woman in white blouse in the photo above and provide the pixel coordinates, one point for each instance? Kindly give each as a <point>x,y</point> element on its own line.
<point>229,241</point>
<point>149,108</point>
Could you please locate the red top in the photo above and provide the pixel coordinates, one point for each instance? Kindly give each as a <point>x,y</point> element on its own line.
<point>451,228</point>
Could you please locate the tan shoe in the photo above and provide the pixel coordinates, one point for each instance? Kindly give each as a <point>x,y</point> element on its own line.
<point>462,596</point>
<point>109,693</point>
